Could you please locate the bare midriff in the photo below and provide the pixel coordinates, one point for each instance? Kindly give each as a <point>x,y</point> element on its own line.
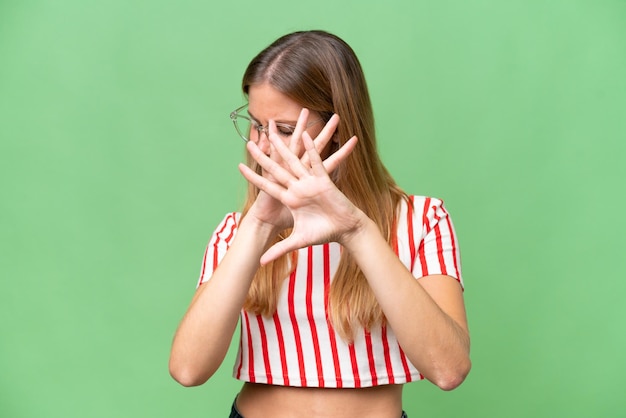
<point>262,401</point>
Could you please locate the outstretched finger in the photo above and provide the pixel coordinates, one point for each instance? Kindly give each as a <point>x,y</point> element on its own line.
<point>323,138</point>
<point>280,248</point>
<point>333,161</point>
<point>262,183</point>
<point>330,163</point>
<point>269,164</point>
<point>295,145</point>
<point>292,160</point>
<point>317,165</point>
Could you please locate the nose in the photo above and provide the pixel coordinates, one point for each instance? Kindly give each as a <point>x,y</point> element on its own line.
<point>263,141</point>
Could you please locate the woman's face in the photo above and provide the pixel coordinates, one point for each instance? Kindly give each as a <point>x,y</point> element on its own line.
<point>265,103</point>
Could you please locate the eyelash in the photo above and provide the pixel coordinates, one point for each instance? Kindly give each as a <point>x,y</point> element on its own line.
<point>284,130</point>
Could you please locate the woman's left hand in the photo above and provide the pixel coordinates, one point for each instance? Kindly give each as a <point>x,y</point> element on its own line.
<point>321,212</point>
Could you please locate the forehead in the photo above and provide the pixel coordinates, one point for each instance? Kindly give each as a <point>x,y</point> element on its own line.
<point>265,103</point>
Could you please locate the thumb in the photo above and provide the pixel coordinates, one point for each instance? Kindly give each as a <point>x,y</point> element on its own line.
<point>280,248</point>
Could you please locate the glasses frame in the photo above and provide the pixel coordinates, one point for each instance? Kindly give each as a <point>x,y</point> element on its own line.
<point>235,114</point>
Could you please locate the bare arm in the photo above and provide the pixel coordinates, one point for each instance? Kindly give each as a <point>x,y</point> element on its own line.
<point>427,315</point>
<point>205,332</point>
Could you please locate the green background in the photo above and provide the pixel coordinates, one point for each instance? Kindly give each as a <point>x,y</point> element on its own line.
<point>118,159</point>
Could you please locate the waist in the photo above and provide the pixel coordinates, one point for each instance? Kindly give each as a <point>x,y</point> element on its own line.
<point>260,400</point>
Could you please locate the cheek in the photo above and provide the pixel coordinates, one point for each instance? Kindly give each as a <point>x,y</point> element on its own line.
<point>314,131</point>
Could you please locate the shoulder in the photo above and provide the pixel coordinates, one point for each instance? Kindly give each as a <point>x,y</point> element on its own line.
<point>426,240</point>
<point>421,210</point>
<point>424,200</point>
<point>227,228</point>
<point>218,245</point>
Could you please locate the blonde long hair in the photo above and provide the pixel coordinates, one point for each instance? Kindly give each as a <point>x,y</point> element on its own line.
<point>322,73</point>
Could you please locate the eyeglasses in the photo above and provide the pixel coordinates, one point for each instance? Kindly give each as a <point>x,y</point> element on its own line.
<point>245,126</point>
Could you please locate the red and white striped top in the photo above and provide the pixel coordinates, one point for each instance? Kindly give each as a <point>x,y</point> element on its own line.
<point>298,346</point>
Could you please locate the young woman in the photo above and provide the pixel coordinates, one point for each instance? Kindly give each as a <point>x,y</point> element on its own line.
<point>346,287</point>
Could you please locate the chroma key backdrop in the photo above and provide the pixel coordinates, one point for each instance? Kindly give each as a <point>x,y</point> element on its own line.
<point>117,160</point>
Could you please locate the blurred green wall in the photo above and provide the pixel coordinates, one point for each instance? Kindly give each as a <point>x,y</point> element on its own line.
<point>117,159</point>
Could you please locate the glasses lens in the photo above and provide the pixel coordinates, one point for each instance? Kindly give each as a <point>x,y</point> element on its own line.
<point>243,127</point>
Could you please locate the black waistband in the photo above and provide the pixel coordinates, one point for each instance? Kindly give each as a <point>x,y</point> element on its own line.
<point>234,413</point>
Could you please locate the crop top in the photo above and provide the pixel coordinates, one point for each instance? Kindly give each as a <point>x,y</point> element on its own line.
<point>297,346</point>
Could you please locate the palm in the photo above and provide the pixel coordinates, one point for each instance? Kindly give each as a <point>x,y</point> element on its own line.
<point>270,211</point>
<point>268,208</point>
<point>320,212</point>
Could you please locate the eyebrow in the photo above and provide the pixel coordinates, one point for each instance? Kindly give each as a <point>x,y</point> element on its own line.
<point>289,123</point>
